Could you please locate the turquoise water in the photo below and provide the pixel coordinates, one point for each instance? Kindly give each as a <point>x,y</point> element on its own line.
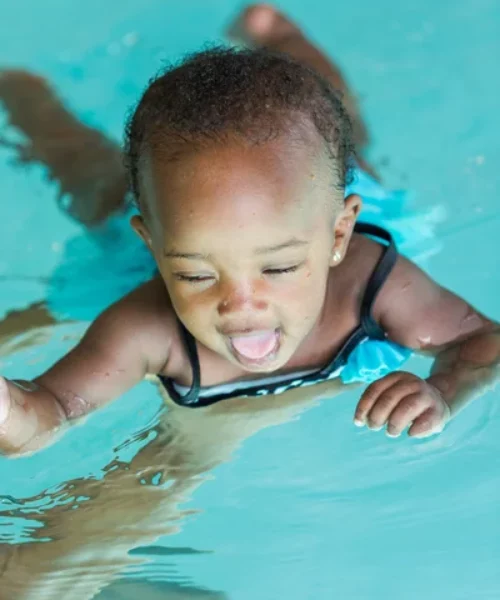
<point>282,502</point>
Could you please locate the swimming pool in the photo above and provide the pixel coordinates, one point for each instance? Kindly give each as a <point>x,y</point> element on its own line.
<point>309,506</point>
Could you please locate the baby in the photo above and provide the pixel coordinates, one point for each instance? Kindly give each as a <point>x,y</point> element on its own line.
<point>242,165</point>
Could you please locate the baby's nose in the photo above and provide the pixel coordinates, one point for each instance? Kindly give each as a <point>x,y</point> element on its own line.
<point>241,297</point>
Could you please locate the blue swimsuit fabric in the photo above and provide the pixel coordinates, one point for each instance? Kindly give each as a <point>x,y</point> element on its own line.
<point>102,265</point>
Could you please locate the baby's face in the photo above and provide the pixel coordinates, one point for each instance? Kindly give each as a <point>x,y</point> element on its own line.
<point>243,238</point>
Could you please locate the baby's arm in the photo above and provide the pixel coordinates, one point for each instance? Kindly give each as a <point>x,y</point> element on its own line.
<point>125,343</point>
<point>418,313</point>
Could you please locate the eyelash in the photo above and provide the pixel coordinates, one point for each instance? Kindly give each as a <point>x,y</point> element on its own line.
<point>190,279</point>
<point>195,279</point>
<point>281,271</point>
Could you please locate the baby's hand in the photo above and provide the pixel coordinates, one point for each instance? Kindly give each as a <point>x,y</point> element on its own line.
<point>29,417</point>
<point>402,400</point>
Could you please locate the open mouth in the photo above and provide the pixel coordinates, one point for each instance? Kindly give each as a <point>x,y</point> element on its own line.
<point>256,348</point>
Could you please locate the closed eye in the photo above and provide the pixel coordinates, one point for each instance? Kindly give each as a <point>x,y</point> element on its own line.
<point>193,278</point>
<point>281,271</point>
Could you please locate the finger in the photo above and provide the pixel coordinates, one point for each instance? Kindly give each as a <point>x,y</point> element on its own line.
<point>428,423</point>
<point>406,412</point>
<point>385,404</point>
<point>371,394</point>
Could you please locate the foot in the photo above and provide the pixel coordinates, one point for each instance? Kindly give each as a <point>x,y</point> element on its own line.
<point>262,25</point>
<point>86,165</point>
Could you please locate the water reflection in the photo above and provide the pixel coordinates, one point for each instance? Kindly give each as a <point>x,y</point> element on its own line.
<point>95,529</point>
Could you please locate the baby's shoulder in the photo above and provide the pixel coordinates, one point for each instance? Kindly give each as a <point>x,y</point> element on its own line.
<point>400,287</point>
<point>144,317</point>
<point>361,264</point>
<point>358,266</point>
<point>150,303</point>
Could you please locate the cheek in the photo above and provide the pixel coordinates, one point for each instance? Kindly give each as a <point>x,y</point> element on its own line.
<point>302,297</point>
<point>194,309</point>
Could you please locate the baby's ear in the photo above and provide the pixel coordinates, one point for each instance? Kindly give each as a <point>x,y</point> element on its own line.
<point>141,229</point>
<point>344,226</point>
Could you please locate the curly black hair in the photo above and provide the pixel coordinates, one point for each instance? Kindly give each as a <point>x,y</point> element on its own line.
<point>253,93</point>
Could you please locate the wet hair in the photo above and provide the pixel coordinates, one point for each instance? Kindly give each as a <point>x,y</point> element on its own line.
<point>252,93</point>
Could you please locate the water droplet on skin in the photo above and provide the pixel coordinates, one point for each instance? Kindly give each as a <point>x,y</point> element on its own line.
<point>470,322</point>
<point>424,341</point>
<point>76,406</point>
<point>26,386</point>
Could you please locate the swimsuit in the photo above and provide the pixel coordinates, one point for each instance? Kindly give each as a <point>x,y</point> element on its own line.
<point>365,355</point>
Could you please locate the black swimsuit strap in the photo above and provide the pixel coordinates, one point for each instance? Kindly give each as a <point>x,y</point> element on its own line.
<point>384,266</point>
<point>191,397</point>
<point>368,328</point>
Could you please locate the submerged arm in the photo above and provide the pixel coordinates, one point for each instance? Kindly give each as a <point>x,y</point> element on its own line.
<point>91,545</point>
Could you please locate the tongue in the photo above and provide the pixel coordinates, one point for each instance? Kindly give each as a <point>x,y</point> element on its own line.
<point>255,346</point>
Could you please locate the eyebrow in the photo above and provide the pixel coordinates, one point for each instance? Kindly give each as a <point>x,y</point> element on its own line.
<point>293,243</point>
